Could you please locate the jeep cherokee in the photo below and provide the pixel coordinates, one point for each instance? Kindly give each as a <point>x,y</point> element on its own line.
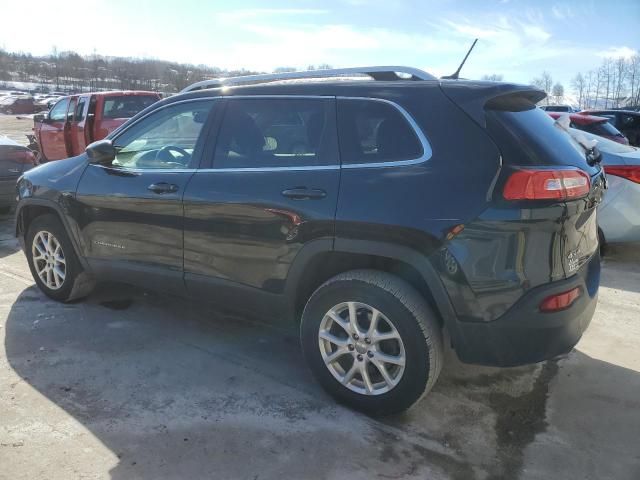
<point>383,216</point>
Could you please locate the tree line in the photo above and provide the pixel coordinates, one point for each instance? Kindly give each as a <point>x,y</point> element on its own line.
<point>614,84</point>
<point>69,71</point>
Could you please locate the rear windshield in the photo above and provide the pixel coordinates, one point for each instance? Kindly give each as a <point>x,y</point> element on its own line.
<point>529,137</point>
<point>126,106</point>
<point>600,128</point>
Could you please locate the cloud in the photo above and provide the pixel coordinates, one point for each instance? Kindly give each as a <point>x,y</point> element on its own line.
<point>562,12</point>
<point>617,52</point>
<point>249,13</point>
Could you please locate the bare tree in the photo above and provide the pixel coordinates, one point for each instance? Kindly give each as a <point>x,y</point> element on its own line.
<point>558,92</point>
<point>620,77</point>
<point>579,85</point>
<point>633,73</point>
<point>544,82</point>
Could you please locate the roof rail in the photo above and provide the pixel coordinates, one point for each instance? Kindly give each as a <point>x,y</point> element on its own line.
<point>377,73</point>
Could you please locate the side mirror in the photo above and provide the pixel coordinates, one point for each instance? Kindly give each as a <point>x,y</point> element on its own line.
<point>39,117</point>
<point>101,152</point>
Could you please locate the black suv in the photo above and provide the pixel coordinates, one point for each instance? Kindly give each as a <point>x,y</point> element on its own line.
<point>627,121</point>
<point>384,216</point>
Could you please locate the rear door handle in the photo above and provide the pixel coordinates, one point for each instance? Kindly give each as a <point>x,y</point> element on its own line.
<point>302,193</point>
<point>163,187</point>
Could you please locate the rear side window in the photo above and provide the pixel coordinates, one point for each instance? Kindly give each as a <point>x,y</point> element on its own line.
<point>528,136</point>
<point>126,106</point>
<point>271,132</point>
<point>372,131</point>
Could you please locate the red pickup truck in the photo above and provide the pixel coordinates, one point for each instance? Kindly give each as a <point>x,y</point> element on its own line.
<point>77,120</point>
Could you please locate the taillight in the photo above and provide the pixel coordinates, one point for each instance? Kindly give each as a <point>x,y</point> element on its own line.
<point>560,301</point>
<point>630,172</point>
<point>532,184</point>
<point>22,156</point>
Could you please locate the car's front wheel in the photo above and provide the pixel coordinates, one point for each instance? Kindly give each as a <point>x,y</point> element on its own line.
<point>53,262</point>
<point>372,341</point>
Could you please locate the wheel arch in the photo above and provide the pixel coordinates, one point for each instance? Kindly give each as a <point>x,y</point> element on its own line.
<point>313,268</point>
<point>32,208</point>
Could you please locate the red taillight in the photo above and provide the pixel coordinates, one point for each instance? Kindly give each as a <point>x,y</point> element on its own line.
<point>630,172</point>
<point>560,301</point>
<point>22,156</point>
<point>547,185</point>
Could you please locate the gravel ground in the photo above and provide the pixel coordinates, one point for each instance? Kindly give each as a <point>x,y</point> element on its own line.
<point>16,127</point>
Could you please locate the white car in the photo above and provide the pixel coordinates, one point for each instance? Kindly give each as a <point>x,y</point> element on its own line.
<point>619,213</point>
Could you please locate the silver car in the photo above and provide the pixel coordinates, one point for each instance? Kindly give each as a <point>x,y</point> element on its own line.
<point>619,213</point>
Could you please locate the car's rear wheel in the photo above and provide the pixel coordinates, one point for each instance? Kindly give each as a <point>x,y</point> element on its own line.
<point>372,341</point>
<point>53,262</point>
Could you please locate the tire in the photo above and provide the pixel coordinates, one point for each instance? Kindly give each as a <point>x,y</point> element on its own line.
<point>401,306</point>
<point>602,242</point>
<point>76,283</point>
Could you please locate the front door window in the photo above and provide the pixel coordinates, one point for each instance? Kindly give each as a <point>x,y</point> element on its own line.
<point>165,139</point>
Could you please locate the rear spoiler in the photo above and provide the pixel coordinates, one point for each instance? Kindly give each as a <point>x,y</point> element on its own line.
<point>475,97</point>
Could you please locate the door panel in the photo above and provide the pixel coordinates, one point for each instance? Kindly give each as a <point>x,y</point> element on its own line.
<point>73,102</point>
<point>242,227</point>
<point>128,225</point>
<point>52,132</point>
<point>77,133</point>
<point>239,227</point>
<point>131,217</point>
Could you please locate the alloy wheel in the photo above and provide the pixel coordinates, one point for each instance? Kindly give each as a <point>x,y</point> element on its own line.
<point>49,260</point>
<point>361,348</point>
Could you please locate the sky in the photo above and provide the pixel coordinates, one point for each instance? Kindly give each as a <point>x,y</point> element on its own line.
<point>517,38</point>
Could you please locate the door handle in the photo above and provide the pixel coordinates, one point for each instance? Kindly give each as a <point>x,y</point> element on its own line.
<point>303,193</point>
<point>163,187</point>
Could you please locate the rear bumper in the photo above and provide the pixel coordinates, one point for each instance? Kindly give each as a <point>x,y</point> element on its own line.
<point>525,335</point>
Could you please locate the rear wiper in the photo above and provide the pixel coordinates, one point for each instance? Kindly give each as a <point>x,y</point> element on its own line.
<point>593,156</point>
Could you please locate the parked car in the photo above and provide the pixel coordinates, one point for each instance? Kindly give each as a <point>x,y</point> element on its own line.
<point>627,121</point>
<point>618,214</point>
<point>378,233</point>
<point>15,159</point>
<point>19,105</point>
<point>558,108</point>
<point>595,125</point>
<point>77,120</point>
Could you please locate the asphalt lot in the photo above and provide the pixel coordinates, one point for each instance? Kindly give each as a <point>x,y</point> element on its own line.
<point>131,385</point>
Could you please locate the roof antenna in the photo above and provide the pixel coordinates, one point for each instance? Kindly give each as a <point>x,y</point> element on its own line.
<point>455,75</point>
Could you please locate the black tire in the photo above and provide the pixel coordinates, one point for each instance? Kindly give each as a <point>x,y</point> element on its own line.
<point>602,242</point>
<point>411,316</point>
<point>76,283</point>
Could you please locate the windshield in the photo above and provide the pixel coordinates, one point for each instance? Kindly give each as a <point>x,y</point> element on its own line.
<point>126,106</point>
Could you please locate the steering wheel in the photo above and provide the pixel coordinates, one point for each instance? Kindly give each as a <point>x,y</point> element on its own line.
<point>165,151</point>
